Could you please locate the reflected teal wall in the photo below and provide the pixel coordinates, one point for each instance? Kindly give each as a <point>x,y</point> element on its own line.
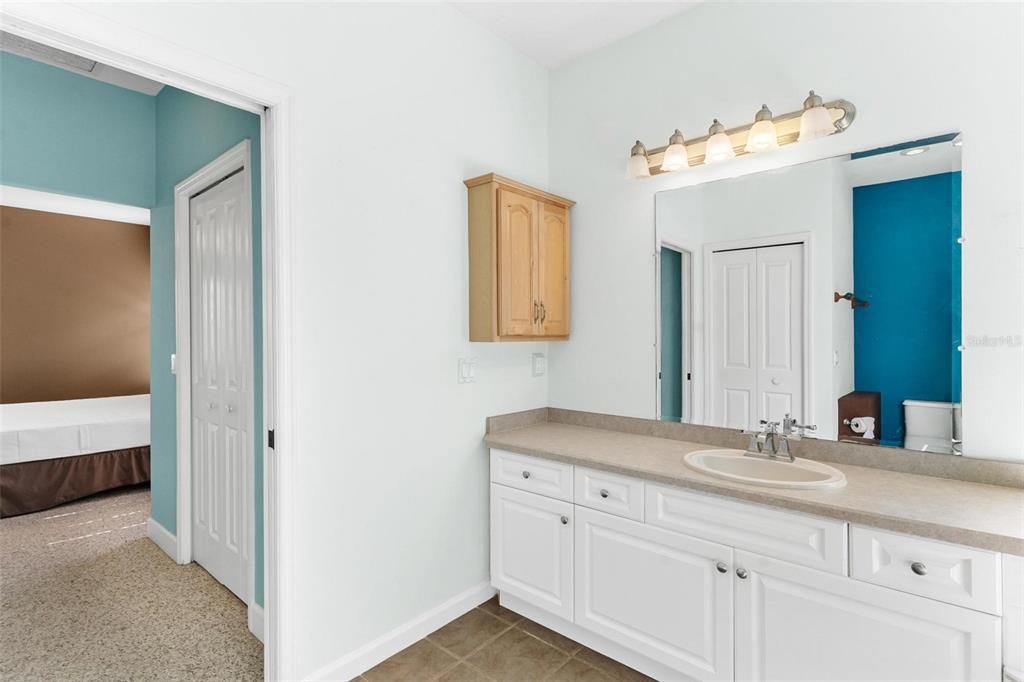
<point>671,335</point>
<point>906,264</point>
<point>65,133</point>
<point>192,131</point>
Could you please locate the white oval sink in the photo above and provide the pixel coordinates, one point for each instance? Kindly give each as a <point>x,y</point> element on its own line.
<point>733,465</point>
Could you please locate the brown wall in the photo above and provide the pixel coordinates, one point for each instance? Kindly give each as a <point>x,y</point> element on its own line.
<point>74,307</point>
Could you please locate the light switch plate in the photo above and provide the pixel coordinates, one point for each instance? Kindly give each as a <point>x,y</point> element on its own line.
<point>540,364</point>
<point>467,370</point>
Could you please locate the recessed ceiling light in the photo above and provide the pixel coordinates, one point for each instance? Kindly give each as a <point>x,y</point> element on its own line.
<point>915,151</point>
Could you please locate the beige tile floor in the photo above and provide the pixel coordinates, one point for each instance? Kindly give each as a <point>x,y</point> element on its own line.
<point>491,643</point>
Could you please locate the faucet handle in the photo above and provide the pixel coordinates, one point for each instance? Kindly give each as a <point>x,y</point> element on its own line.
<point>790,427</point>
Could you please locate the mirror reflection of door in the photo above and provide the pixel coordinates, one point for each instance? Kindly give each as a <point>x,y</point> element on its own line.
<point>676,330</point>
<point>756,347</point>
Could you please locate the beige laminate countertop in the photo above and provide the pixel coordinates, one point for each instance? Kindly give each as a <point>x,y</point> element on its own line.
<point>983,516</point>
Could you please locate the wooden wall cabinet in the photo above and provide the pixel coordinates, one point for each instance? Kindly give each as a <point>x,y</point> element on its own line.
<point>518,261</point>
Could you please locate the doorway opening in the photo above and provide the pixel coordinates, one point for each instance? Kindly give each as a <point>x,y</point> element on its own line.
<point>675,333</point>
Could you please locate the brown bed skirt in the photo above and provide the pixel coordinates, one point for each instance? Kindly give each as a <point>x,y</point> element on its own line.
<point>33,486</point>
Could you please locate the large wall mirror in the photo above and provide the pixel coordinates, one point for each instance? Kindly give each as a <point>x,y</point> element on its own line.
<point>829,291</point>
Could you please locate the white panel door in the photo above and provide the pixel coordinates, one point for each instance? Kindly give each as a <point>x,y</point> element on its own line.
<point>662,594</point>
<point>531,548</point>
<point>221,307</point>
<point>779,332</point>
<point>733,380</point>
<point>794,623</point>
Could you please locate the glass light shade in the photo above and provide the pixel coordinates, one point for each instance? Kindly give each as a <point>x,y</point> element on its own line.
<point>762,137</point>
<point>718,148</point>
<point>675,158</point>
<point>814,123</point>
<point>637,167</point>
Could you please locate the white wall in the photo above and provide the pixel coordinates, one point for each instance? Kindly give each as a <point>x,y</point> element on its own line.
<point>393,107</point>
<point>913,70</point>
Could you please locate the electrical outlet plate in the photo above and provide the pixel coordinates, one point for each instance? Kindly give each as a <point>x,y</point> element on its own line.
<point>540,364</point>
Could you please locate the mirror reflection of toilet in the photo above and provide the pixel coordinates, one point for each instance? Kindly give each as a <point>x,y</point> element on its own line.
<point>931,426</point>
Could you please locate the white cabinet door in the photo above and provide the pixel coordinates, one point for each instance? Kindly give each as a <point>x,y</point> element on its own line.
<point>795,623</point>
<point>531,548</point>
<point>665,595</point>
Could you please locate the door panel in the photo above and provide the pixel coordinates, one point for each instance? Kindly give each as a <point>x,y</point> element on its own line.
<point>733,380</point>
<point>517,228</point>
<point>656,592</point>
<point>221,312</point>
<point>779,336</point>
<point>795,623</point>
<point>553,273</point>
<point>531,548</point>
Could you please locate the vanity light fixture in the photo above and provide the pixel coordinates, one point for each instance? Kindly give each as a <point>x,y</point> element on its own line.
<point>767,131</point>
<point>762,135</point>
<point>675,154</point>
<point>718,146</point>
<point>914,151</point>
<point>638,165</point>
<point>815,122</point>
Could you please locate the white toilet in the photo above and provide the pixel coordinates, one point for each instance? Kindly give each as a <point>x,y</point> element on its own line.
<point>930,426</point>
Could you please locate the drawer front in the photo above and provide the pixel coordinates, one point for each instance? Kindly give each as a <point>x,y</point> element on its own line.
<point>611,493</point>
<point>929,568</point>
<point>535,475</point>
<point>798,538</point>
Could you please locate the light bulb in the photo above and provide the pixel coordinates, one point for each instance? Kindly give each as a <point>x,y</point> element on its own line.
<point>762,135</point>
<point>675,156</point>
<point>815,122</point>
<point>637,166</point>
<point>719,146</point>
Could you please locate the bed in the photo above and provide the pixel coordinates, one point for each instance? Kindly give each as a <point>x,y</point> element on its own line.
<point>58,451</point>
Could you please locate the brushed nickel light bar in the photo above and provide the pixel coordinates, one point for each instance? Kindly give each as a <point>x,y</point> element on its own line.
<point>816,119</point>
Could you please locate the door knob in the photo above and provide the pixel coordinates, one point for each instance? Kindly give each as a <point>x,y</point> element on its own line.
<point>776,381</point>
<point>231,409</point>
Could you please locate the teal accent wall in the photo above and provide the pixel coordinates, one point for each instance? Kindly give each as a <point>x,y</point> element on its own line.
<point>68,134</point>
<point>671,335</point>
<point>192,131</point>
<point>65,133</point>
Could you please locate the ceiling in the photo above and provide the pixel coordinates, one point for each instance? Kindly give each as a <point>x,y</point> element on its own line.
<point>554,33</point>
<point>77,64</point>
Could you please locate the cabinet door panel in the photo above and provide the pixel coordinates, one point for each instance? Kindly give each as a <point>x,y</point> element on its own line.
<point>795,623</point>
<point>553,269</point>
<point>656,592</point>
<point>531,548</point>
<point>517,229</point>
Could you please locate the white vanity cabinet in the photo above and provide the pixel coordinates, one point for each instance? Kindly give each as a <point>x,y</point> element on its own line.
<point>688,586</point>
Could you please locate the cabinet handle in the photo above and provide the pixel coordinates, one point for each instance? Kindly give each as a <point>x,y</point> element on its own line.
<point>919,568</point>
<point>722,568</point>
<point>741,573</point>
<point>526,474</point>
<point>565,520</point>
<point>543,313</point>
<point>604,494</point>
<point>536,312</point>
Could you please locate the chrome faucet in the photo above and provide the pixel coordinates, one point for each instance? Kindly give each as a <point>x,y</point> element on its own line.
<point>773,443</point>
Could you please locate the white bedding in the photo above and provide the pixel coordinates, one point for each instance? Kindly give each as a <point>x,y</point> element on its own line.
<point>65,428</point>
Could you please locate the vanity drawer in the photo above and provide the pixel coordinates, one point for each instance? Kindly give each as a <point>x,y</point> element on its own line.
<point>798,538</point>
<point>611,493</point>
<point>929,568</point>
<point>535,475</point>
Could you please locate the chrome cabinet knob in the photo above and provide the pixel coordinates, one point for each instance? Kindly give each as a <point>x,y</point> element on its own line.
<point>565,520</point>
<point>722,568</point>
<point>919,568</point>
<point>604,494</point>
<point>741,573</point>
<point>526,474</point>
<point>231,409</point>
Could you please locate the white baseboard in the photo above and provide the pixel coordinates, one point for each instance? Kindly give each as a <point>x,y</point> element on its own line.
<point>256,621</point>
<point>163,538</point>
<point>362,659</point>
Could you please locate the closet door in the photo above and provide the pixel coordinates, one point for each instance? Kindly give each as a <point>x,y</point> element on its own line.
<point>553,270</point>
<point>518,307</point>
<point>733,358</point>
<point>779,332</point>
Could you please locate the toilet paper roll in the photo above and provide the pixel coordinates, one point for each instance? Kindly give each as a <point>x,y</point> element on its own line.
<point>864,426</point>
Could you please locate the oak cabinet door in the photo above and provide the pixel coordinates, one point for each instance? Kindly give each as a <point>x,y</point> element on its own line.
<point>662,594</point>
<point>553,270</point>
<point>531,548</point>
<point>518,309</point>
<point>794,623</point>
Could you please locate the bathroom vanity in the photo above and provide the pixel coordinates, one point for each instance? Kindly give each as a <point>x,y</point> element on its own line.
<point>609,538</point>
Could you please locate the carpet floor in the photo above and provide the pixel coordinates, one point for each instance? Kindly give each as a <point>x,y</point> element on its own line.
<point>85,595</point>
